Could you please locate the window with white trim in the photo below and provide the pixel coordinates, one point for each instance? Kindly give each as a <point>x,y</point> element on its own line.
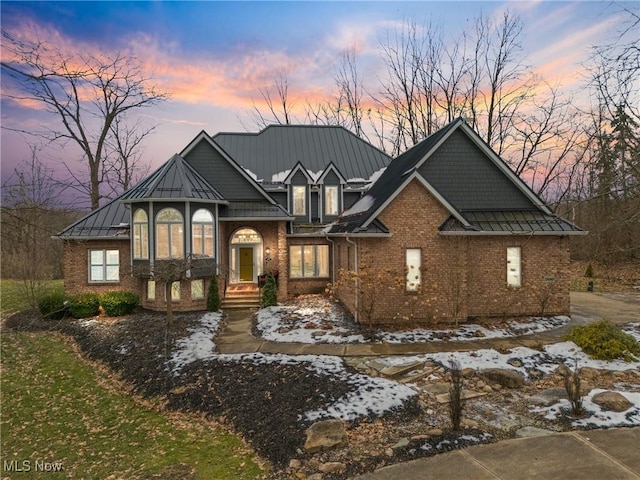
<point>308,261</point>
<point>514,267</point>
<point>169,234</point>
<point>140,235</point>
<point>299,200</point>
<point>202,233</point>
<point>331,200</point>
<point>104,266</point>
<point>414,269</point>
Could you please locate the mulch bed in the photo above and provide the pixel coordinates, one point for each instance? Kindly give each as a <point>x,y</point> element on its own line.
<point>265,403</point>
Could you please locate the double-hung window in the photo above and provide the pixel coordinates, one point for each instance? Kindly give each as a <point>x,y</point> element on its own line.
<point>104,266</point>
<point>140,235</point>
<point>202,233</point>
<point>331,200</point>
<point>169,234</point>
<point>299,200</point>
<point>309,261</point>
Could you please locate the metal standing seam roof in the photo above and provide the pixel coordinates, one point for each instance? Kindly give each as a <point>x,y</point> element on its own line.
<point>176,179</point>
<point>257,210</point>
<point>278,148</point>
<point>109,221</point>
<point>513,222</point>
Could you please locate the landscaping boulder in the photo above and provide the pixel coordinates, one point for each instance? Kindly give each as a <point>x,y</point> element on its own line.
<point>612,401</point>
<point>505,378</point>
<point>325,435</point>
<point>332,467</point>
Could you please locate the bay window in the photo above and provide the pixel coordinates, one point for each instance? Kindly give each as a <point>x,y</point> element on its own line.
<point>140,235</point>
<point>202,233</point>
<point>169,234</point>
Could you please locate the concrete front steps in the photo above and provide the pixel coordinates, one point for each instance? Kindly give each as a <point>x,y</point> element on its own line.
<point>241,296</point>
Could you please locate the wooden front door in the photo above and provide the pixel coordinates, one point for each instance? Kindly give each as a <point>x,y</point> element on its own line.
<point>246,264</point>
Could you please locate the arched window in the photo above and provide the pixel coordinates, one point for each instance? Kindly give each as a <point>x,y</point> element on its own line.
<point>140,235</point>
<point>202,233</point>
<point>169,234</point>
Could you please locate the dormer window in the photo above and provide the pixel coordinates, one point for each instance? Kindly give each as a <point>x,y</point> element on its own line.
<point>169,234</point>
<point>140,235</point>
<point>330,200</point>
<point>299,200</point>
<point>202,233</point>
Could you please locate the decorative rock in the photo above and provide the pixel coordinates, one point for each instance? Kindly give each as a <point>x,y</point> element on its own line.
<point>389,452</point>
<point>515,362</point>
<point>332,467</point>
<point>468,372</point>
<point>612,401</point>
<point>315,476</point>
<point>399,370</point>
<point>480,384</point>
<point>505,378</point>
<point>295,463</point>
<point>434,432</point>
<point>562,370</point>
<point>419,438</point>
<point>469,423</point>
<point>549,396</point>
<point>402,444</point>
<point>487,389</point>
<point>325,435</point>
<point>589,373</point>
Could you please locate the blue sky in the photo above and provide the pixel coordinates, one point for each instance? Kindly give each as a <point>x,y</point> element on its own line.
<point>214,57</point>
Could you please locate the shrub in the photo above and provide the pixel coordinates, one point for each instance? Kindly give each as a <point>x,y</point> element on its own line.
<point>604,341</point>
<point>116,304</point>
<point>213,295</point>
<point>572,387</point>
<point>52,306</point>
<point>84,305</point>
<point>589,271</point>
<point>456,402</point>
<point>269,293</point>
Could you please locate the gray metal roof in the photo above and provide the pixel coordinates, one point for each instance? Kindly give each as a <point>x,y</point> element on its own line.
<point>174,180</point>
<point>274,151</point>
<point>109,221</point>
<point>510,222</point>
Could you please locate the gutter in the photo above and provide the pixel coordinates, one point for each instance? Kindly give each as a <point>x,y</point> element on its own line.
<point>333,260</point>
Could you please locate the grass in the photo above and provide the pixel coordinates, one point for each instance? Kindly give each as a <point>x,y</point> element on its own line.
<point>58,408</point>
<point>13,296</point>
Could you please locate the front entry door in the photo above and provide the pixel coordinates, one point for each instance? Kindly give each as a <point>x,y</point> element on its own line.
<point>246,264</point>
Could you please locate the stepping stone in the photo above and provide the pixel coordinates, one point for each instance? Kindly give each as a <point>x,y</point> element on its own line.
<point>399,370</point>
<point>529,431</point>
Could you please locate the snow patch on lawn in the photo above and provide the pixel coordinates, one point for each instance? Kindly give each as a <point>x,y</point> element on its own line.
<point>597,416</point>
<point>197,346</point>
<point>370,395</point>
<point>326,322</point>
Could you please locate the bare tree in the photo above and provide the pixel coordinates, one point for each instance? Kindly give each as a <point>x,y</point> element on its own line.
<point>86,93</point>
<point>29,218</point>
<point>279,107</point>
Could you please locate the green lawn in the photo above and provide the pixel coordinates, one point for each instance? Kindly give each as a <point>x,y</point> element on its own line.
<point>57,408</point>
<point>13,297</point>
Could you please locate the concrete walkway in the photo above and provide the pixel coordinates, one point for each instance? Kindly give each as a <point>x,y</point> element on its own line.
<point>584,455</point>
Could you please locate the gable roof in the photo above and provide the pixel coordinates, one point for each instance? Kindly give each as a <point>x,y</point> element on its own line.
<point>275,150</point>
<point>298,168</point>
<point>175,180</point>
<point>460,181</point>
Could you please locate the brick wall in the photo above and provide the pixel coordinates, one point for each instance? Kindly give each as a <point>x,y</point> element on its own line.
<point>186,302</point>
<point>76,267</point>
<point>461,276</point>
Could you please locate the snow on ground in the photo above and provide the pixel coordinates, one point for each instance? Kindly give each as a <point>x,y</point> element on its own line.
<point>370,396</point>
<point>325,322</point>
<point>197,346</point>
<point>597,417</point>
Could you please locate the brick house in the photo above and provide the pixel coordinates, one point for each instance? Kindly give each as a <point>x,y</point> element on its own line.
<point>444,231</point>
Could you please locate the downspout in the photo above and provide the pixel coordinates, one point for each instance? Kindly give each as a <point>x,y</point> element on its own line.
<point>357,295</point>
<point>333,260</point>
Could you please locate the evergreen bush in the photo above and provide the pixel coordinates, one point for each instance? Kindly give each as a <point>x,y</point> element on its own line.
<point>589,271</point>
<point>213,295</point>
<point>84,305</point>
<point>269,296</point>
<point>52,306</point>
<point>604,341</point>
<point>116,304</point>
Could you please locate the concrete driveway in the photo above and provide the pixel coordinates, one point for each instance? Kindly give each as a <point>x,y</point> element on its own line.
<point>618,308</point>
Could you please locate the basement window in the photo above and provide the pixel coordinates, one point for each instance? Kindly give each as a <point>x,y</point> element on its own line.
<point>514,267</point>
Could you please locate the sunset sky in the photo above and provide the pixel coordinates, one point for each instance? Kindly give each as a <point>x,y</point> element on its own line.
<point>213,57</point>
